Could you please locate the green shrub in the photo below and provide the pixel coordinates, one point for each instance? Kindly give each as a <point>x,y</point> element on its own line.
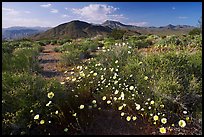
<point>196,31</point>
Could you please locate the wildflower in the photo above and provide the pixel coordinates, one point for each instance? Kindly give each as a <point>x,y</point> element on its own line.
<point>50,95</point>
<point>66,129</point>
<point>149,107</point>
<point>81,107</point>
<point>162,130</point>
<point>131,87</point>
<point>115,98</point>
<point>184,112</point>
<point>128,118</point>
<point>116,70</point>
<point>116,92</point>
<point>182,123</point>
<point>172,125</point>
<point>122,114</point>
<point>95,105</point>
<point>115,82</point>
<point>82,74</point>
<point>140,63</point>
<point>124,105</point>
<point>129,52</point>
<point>146,103</point>
<point>120,108</point>
<point>152,102</point>
<point>122,95</point>
<point>91,71</point>
<point>94,74</point>
<point>131,75</point>
<point>145,78</point>
<point>187,118</point>
<point>162,106</point>
<point>74,79</point>
<point>62,83</point>
<point>104,98</point>
<point>155,118</point>
<point>94,101</point>
<point>31,111</point>
<point>72,72</point>
<point>134,118</point>
<point>114,77</point>
<point>142,109</point>
<point>42,122</point>
<point>112,69</point>
<point>164,120</point>
<point>56,112</point>
<point>74,115</point>
<point>36,116</point>
<point>137,106</point>
<point>116,61</point>
<point>48,103</point>
<point>108,102</point>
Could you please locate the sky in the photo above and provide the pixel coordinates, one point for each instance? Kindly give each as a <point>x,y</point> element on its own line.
<point>51,14</point>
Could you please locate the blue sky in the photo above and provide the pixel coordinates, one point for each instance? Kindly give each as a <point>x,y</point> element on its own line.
<point>51,14</point>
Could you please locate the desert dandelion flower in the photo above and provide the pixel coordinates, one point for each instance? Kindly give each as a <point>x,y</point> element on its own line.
<point>122,114</point>
<point>42,122</point>
<point>128,118</point>
<point>120,107</point>
<point>108,102</point>
<point>134,118</point>
<point>137,106</point>
<point>164,120</point>
<point>66,129</point>
<point>145,78</point>
<point>50,95</point>
<point>36,116</point>
<point>155,118</point>
<point>94,74</point>
<point>131,87</point>
<point>104,98</point>
<point>162,130</point>
<point>152,102</point>
<point>182,123</point>
<point>81,107</point>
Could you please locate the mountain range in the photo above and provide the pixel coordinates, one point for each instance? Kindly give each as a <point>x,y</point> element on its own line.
<point>19,32</point>
<point>80,29</point>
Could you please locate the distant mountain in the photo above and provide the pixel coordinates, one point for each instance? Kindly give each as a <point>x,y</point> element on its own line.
<point>163,30</point>
<point>19,32</point>
<point>81,29</point>
<point>74,29</point>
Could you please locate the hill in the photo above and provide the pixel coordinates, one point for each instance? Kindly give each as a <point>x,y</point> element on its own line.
<point>74,29</point>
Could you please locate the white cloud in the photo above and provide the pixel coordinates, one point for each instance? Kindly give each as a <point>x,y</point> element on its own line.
<point>46,5</point>
<point>98,13</point>
<point>65,16</point>
<point>8,11</point>
<point>141,24</point>
<point>27,12</point>
<point>54,11</point>
<point>182,17</point>
<point>66,8</point>
<point>173,8</point>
